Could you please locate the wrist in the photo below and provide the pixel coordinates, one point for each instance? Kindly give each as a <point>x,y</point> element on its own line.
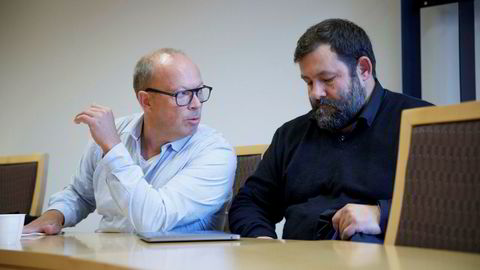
<point>56,216</point>
<point>107,147</point>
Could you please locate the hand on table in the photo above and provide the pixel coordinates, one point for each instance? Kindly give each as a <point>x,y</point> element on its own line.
<point>357,218</point>
<point>264,237</point>
<point>51,222</point>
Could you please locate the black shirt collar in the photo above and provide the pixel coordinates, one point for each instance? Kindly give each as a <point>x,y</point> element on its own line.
<point>370,109</point>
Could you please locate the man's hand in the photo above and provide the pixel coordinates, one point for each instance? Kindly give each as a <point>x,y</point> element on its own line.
<point>102,126</point>
<point>51,222</point>
<point>264,237</point>
<point>356,218</point>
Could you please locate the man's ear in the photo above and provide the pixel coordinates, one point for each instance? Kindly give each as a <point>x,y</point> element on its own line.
<point>144,100</point>
<point>364,68</point>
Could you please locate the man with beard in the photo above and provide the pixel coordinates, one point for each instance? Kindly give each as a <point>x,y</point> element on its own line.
<point>159,170</point>
<point>330,172</point>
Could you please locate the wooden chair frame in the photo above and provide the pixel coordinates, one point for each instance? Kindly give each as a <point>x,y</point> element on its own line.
<point>256,149</point>
<point>410,118</point>
<point>40,181</point>
<point>251,149</point>
<point>240,151</point>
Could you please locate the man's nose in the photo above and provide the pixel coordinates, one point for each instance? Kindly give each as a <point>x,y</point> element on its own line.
<point>317,90</point>
<point>195,103</point>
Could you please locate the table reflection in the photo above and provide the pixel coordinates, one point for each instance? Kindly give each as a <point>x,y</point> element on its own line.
<point>56,244</point>
<point>359,254</point>
<point>122,250</point>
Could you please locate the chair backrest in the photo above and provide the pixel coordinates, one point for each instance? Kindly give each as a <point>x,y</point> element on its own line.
<point>22,183</point>
<point>248,158</point>
<point>436,198</point>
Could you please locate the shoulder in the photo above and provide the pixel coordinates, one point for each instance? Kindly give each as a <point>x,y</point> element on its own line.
<point>206,133</point>
<point>294,126</point>
<point>128,123</point>
<point>402,101</point>
<point>207,139</point>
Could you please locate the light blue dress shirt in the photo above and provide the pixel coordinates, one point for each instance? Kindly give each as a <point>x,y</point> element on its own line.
<point>181,189</point>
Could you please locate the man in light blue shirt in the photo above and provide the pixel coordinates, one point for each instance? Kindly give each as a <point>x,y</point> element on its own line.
<point>156,171</point>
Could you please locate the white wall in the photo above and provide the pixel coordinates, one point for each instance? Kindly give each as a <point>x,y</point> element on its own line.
<point>440,59</point>
<point>57,57</point>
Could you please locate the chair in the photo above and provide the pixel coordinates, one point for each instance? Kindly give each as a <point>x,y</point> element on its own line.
<point>436,198</point>
<point>248,158</point>
<point>22,184</point>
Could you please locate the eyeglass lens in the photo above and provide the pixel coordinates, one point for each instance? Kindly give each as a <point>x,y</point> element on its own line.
<point>185,97</point>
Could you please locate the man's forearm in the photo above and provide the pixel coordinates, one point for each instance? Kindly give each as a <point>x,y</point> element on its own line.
<point>246,218</point>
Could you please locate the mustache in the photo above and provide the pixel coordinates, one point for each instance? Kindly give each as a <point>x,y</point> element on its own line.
<point>326,102</point>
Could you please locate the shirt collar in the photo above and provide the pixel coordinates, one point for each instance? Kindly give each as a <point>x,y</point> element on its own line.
<point>370,109</point>
<point>135,131</point>
<point>178,144</point>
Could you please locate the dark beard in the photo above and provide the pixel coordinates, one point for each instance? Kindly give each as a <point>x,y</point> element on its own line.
<point>334,115</point>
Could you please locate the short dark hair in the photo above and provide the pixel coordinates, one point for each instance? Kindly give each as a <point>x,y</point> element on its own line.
<point>348,40</point>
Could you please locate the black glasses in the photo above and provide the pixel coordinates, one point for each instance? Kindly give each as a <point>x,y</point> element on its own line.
<point>184,97</point>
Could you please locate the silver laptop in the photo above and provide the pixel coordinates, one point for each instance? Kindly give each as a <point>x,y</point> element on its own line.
<point>154,237</point>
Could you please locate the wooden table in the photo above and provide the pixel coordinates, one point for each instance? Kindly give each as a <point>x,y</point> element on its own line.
<point>120,251</point>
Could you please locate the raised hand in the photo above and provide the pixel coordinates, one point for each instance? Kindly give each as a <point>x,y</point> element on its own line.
<point>101,123</point>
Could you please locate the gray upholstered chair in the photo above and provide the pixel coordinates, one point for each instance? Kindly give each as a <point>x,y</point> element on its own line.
<point>248,158</point>
<point>22,184</point>
<point>436,200</point>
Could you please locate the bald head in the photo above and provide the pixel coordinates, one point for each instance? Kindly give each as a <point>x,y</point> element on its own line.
<point>160,61</point>
<point>159,78</point>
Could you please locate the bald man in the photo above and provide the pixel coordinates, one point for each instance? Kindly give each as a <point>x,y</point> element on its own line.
<point>159,170</point>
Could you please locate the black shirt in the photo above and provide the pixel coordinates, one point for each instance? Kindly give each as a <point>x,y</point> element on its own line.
<point>308,173</point>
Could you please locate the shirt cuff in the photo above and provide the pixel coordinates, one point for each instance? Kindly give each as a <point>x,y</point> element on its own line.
<point>384,213</point>
<point>261,231</point>
<point>68,215</point>
<point>118,157</point>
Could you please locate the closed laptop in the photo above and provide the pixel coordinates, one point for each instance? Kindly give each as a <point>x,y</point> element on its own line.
<point>154,237</point>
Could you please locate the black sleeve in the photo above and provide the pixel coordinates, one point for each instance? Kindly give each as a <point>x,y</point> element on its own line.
<point>384,213</point>
<point>258,206</point>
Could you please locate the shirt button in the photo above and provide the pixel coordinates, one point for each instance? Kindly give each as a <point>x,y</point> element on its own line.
<point>341,138</point>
